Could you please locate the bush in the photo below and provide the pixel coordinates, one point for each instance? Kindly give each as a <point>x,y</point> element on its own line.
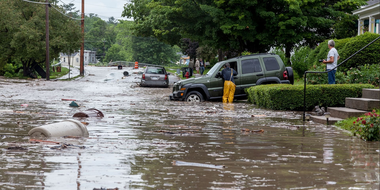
<point>366,126</point>
<point>370,55</point>
<point>9,70</point>
<point>366,74</point>
<point>299,60</point>
<point>290,97</point>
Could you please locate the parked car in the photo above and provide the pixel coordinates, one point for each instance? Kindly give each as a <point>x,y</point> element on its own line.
<point>256,69</point>
<point>155,76</point>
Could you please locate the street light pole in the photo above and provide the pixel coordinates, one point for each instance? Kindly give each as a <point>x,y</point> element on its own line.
<point>82,44</point>
<point>47,42</point>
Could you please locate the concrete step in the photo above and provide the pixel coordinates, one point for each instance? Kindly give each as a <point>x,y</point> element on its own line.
<point>371,93</point>
<point>344,113</point>
<point>362,103</point>
<point>323,120</point>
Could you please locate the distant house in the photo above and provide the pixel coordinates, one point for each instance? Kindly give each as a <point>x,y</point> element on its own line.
<point>89,57</point>
<point>369,17</point>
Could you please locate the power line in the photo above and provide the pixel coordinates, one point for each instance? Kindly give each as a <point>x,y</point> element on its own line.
<point>37,2</point>
<point>65,14</point>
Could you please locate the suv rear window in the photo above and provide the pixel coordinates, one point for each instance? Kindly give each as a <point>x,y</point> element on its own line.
<point>155,71</point>
<point>250,66</point>
<point>271,63</point>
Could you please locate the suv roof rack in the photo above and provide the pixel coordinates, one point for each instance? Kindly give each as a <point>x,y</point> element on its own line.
<point>255,54</point>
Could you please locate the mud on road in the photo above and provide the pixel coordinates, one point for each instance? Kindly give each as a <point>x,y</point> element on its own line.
<point>146,141</point>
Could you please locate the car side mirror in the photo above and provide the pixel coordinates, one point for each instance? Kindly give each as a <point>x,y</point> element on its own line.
<point>168,73</point>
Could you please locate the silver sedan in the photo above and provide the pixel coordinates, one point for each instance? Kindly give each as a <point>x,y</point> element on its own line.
<point>155,76</point>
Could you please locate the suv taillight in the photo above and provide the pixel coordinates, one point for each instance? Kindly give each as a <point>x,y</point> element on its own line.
<point>143,77</point>
<point>166,77</point>
<point>285,74</point>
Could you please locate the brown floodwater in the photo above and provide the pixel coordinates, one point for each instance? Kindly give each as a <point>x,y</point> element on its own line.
<point>146,141</point>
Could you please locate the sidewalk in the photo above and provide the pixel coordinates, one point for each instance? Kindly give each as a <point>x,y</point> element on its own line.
<point>74,72</point>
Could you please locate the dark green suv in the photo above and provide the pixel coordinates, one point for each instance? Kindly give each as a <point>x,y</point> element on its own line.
<point>256,69</point>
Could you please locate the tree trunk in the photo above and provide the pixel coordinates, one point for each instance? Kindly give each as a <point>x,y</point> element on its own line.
<point>288,49</point>
<point>220,55</point>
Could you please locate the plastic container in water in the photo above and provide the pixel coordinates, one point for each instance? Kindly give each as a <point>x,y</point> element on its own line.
<point>68,127</point>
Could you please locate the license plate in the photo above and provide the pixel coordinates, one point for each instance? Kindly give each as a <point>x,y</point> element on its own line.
<point>154,78</point>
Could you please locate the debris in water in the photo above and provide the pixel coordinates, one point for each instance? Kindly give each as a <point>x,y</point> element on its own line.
<point>182,163</point>
<point>16,148</point>
<point>41,141</point>
<point>252,131</point>
<point>106,188</point>
<point>24,105</point>
<point>64,99</point>
<point>73,104</point>
<point>65,146</point>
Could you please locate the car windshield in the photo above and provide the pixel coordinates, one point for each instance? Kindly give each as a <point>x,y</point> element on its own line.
<point>155,71</point>
<point>214,68</point>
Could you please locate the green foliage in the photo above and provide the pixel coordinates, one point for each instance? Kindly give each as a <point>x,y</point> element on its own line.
<point>280,52</point>
<point>245,53</point>
<point>346,27</point>
<point>366,74</point>
<point>370,55</point>
<point>239,25</point>
<point>369,74</point>
<point>367,126</point>
<point>290,97</point>
<point>206,53</point>
<point>22,34</point>
<point>9,70</point>
<point>299,60</point>
<point>114,53</point>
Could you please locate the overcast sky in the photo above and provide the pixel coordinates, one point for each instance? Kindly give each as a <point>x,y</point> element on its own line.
<point>103,8</point>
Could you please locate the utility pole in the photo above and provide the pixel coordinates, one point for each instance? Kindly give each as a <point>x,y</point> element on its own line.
<point>82,44</point>
<point>47,41</point>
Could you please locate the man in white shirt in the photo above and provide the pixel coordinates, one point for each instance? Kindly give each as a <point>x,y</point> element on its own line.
<point>332,60</point>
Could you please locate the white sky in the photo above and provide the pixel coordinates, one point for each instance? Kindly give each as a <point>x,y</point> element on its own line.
<point>103,8</point>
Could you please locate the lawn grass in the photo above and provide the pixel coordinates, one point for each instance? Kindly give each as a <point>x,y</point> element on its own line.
<point>55,75</point>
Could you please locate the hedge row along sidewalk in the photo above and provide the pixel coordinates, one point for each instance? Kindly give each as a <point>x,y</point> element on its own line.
<point>290,97</point>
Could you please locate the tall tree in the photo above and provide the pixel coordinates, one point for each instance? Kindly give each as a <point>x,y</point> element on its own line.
<point>22,33</point>
<point>250,25</point>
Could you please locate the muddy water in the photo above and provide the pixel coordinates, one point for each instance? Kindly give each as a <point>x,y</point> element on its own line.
<point>146,141</point>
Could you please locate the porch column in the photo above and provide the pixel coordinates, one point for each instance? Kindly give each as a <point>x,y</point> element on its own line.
<point>360,24</point>
<point>378,28</point>
<point>371,26</point>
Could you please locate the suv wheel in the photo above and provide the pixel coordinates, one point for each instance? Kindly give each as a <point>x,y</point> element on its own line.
<point>289,70</point>
<point>194,96</point>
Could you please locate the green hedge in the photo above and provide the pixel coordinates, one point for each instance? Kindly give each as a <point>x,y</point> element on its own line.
<point>290,97</point>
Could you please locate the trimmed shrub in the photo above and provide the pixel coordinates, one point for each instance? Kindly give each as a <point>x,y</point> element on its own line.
<point>370,55</point>
<point>290,97</point>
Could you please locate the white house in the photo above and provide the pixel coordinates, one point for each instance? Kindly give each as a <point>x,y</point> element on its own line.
<point>89,57</point>
<point>369,17</point>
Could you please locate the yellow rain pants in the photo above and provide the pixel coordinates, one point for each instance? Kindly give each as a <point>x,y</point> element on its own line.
<point>229,91</point>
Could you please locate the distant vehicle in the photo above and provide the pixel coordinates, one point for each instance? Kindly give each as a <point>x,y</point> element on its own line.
<point>256,69</point>
<point>155,77</point>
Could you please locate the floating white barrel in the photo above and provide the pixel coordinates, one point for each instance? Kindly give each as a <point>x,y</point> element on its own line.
<point>68,127</point>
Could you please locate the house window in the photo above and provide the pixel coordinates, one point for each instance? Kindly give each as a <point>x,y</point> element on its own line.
<point>64,59</point>
<point>77,59</point>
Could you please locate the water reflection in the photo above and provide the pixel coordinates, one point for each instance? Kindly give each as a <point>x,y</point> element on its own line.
<point>135,144</point>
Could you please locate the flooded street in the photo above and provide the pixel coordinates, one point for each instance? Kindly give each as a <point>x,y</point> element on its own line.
<point>146,141</point>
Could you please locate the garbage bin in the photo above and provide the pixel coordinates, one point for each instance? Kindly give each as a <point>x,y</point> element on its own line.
<point>68,127</point>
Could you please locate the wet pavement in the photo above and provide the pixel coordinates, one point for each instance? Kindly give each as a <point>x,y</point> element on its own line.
<point>146,141</point>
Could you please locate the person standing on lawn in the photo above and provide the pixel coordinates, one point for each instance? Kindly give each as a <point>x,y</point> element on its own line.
<point>202,66</point>
<point>229,83</point>
<point>332,61</point>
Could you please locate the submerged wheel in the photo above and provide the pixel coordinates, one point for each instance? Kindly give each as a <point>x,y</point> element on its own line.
<point>194,96</point>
